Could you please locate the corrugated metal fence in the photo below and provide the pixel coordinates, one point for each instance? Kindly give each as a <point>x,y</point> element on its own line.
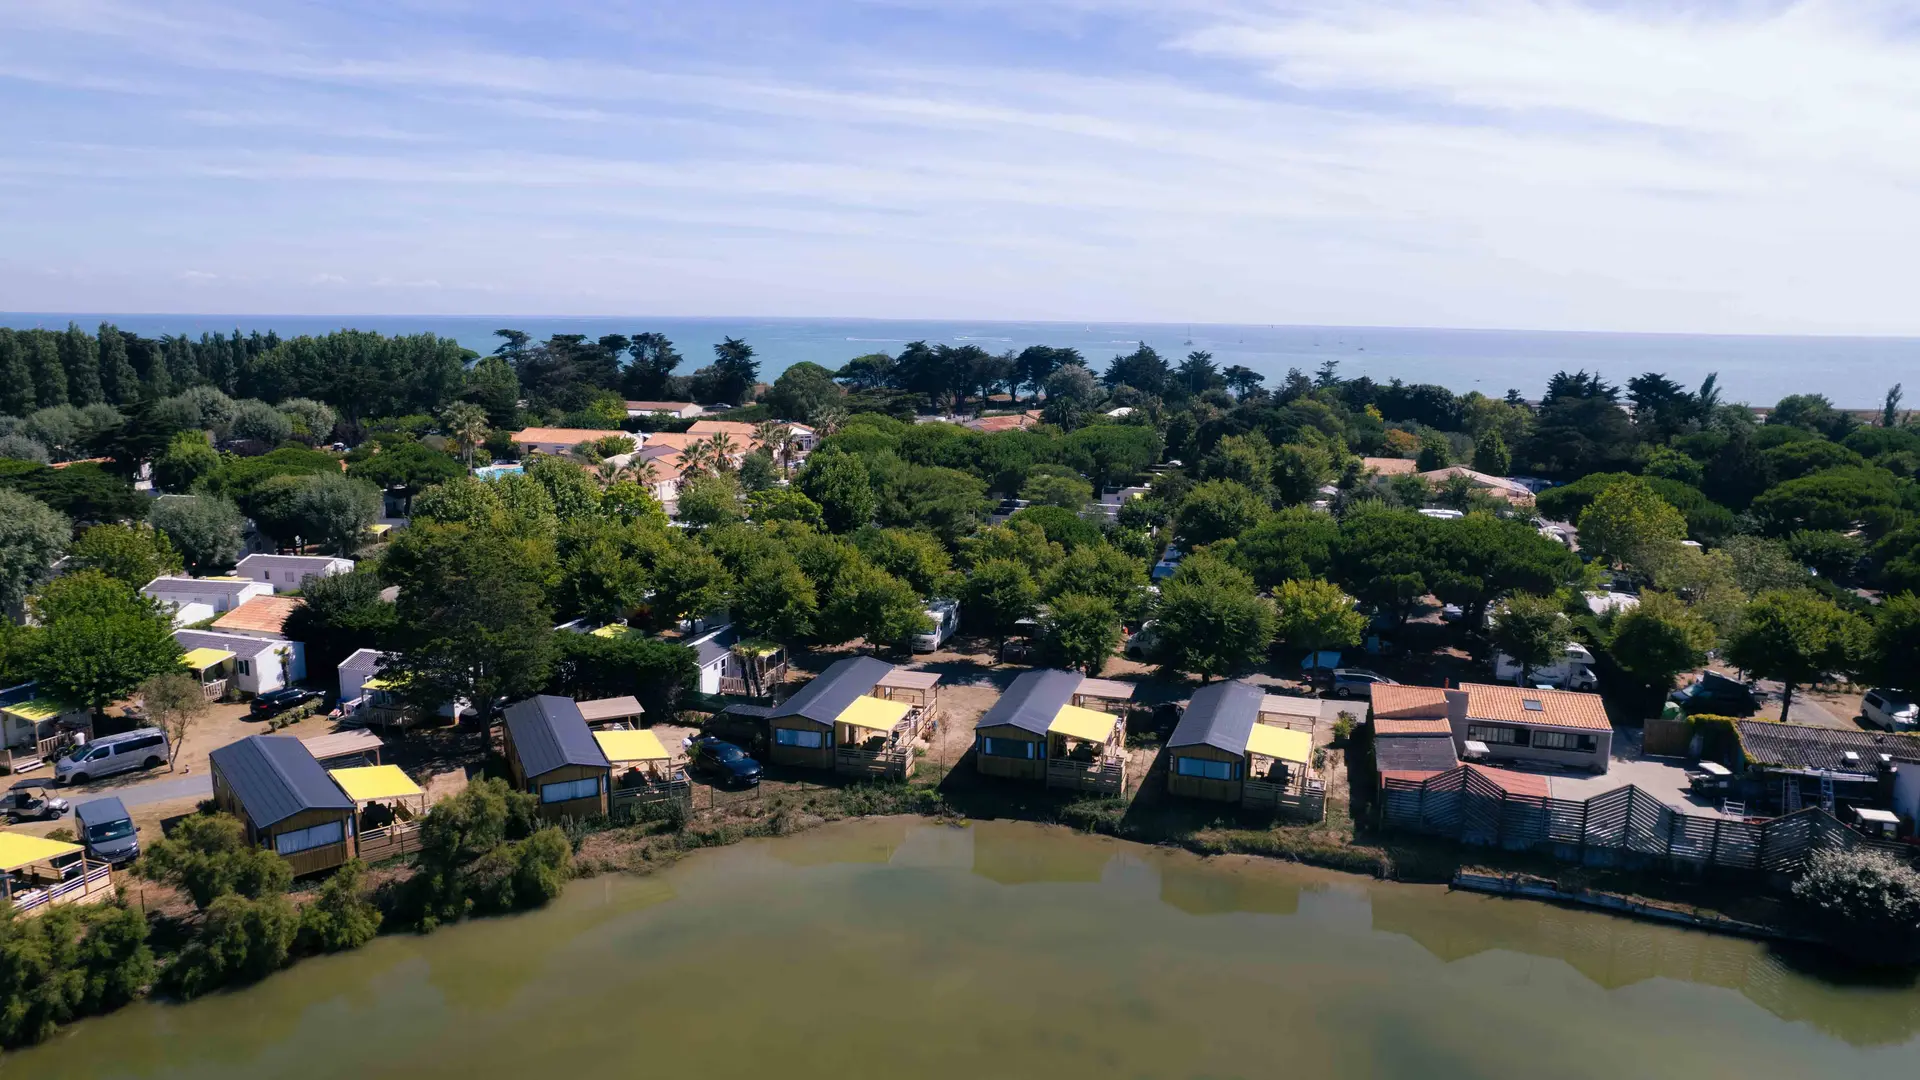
<point>1626,824</point>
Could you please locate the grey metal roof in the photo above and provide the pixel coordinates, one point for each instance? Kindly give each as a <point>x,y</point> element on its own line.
<point>1220,715</point>
<point>276,777</point>
<point>317,563</point>
<point>1802,746</point>
<point>238,644</point>
<point>827,696</point>
<point>549,733</point>
<point>197,585</point>
<point>1033,700</point>
<point>100,811</point>
<point>757,712</point>
<point>716,647</point>
<point>1414,753</point>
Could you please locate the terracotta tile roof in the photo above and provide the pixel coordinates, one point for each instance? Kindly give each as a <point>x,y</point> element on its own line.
<point>262,614</point>
<point>710,428</point>
<point>677,440</point>
<point>1390,466</point>
<point>1556,708</point>
<point>660,406</point>
<point>991,424</point>
<point>1408,702</point>
<point>566,436</point>
<point>1388,725</point>
<point>1511,490</point>
<point>1514,783</point>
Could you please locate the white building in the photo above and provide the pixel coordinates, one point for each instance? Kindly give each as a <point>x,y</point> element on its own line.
<point>195,600</point>
<point>678,410</point>
<point>254,665</point>
<point>287,572</point>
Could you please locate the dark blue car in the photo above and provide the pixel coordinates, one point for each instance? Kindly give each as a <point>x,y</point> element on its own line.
<point>725,762</point>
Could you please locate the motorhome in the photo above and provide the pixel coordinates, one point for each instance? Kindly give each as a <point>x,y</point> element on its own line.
<point>945,616</point>
<point>1574,671</point>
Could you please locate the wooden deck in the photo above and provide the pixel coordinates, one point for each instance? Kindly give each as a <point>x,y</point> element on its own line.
<point>391,842</point>
<point>1103,775</point>
<point>91,886</point>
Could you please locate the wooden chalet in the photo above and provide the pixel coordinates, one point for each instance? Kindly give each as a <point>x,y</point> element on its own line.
<point>861,716</point>
<point>289,804</point>
<point>1039,731</point>
<point>37,873</point>
<point>1237,744</point>
<point>551,752</point>
<point>643,769</point>
<point>388,807</point>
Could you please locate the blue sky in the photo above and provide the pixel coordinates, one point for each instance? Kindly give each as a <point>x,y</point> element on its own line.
<point>1739,167</point>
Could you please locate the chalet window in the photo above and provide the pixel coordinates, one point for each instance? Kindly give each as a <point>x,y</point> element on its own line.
<point>1505,736</point>
<point>805,740</point>
<point>1207,770</point>
<point>567,790</point>
<point>1563,740</point>
<point>333,832</point>
<point>1014,748</point>
<point>243,667</point>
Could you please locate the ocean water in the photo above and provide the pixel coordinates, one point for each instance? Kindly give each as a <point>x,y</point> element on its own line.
<point>1854,371</point>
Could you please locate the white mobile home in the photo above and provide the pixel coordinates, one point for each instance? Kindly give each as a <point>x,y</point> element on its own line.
<point>252,665</point>
<point>287,572</point>
<point>195,600</point>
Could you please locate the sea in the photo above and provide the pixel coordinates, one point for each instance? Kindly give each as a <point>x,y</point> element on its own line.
<point>1854,372</point>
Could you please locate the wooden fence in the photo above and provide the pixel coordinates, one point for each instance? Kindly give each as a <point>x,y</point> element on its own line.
<point>399,838</point>
<point>1622,825</point>
<point>892,763</point>
<point>93,884</point>
<point>1306,800</point>
<point>1103,776</point>
<point>627,801</point>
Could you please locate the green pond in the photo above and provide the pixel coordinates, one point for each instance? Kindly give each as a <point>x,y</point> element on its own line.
<point>898,948</point>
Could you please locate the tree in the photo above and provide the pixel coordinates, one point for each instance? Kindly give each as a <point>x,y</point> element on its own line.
<point>473,623</point>
<point>1295,543</point>
<point>1218,510</point>
<point>1071,392</point>
<point>1490,454</point>
<point>32,536</point>
<point>188,457</point>
<point>1837,500</point>
<point>1658,639</point>
<point>601,582</point>
<point>173,701</point>
<point>330,510</point>
<point>313,421</point>
<point>405,468</point>
<point>732,373</point>
<point>1056,485</point>
<point>1481,558</point>
<point>690,584</point>
<point>1796,636</point>
<point>948,502</point>
<point>1243,381</point>
<point>841,485</point>
<point>243,939</point>
<point>207,530</point>
<point>136,554</point>
<point>997,594</point>
<point>1102,572</point>
<point>1890,411</point>
<point>1211,622</point>
<point>1079,632</point>
<point>341,917</point>
<point>342,614</point>
<point>1895,645</point>
<point>1316,615</point>
<point>1532,631</point>
<point>257,421</point>
<point>466,425</point>
<point>1435,452</point>
<point>917,558</point>
<point>710,499</point>
<point>1864,902</point>
<point>803,391</point>
<point>207,856</point>
<point>864,601</point>
<point>1385,558</point>
<point>98,640</point>
<point>775,600</point>
<point>61,963</point>
<point>1629,524</point>
<point>571,492</point>
<point>656,672</point>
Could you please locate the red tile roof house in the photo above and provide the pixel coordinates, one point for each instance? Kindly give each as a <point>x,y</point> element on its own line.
<point>1517,724</point>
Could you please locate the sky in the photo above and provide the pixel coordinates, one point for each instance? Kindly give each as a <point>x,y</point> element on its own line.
<point>1665,166</point>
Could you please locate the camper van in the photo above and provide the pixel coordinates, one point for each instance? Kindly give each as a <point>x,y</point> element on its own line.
<point>945,616</point>
<point>1573,672</point>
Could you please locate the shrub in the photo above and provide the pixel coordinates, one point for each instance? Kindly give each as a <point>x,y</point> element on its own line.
<point>68,962</point>
<point>341,917</point>
<point>1343,728</point>
<point>207,856</point>
<point>244,939</point>
<point>1864,903</point>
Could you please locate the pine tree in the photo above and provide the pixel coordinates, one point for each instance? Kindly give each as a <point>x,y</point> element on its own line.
<point>16,376</point>
<point>49,374</point>
<point>117,378</point>
<point>81,357</point>
<point>182,368</point>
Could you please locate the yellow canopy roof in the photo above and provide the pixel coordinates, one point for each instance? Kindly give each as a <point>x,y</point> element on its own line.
<point>17,850</point>
<point>376,683</point>
<point>631,745</point>
<point>380,530</point>
<point>370,782</point>
<point>878,714</point>
<point>611,630</point>
<point>1085,724</point>
<point>202,659</point>
<point>36,710</point>
<point>1282,743</point>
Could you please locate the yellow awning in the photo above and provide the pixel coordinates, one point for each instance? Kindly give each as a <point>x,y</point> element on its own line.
<point>35,710</point>
<point>17,850</point>
<point>376,683</point>
<point>611,630</point>
<point>202,659</point>
<point>380,530</point>
<point>1282,743</point>
<point>631,746</point>
<point>1087,725</point>
<point>877,714</point>
<point>370,782</point>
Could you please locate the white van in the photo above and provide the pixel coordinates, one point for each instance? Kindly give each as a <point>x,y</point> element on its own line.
<point>945,616</point>
<point>1573,672</point>
<point>1890,709</point>
<point>141,748</point>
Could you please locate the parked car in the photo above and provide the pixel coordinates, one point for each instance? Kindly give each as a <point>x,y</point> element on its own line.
<point>1890,709</point>
<point>141,748</point>
<point>30,800</point>
<point>275,702</point>
<point>107,830</point>
<point>724,761</point>
<point>1716,695</point>
<point>1356,682</point>
<point>1142,644</point>
<point>945,616</point>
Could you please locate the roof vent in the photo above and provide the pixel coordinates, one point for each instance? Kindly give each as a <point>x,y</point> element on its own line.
<point>1533,705</point>
<point>1851,758</point>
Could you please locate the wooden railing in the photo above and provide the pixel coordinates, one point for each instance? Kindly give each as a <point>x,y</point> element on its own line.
<point>1105,775</point>
<point>892,762</point>
<point>629,799</point>
<point>213,690</point>
<point>1306,800</point>
<point>42,752</point>
<point>93,884</point>
<point>390,842</point>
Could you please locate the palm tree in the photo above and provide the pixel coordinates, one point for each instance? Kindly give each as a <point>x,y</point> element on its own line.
<point>772,435</point>
<point>698,457</point>
<point>723,448</point>
<point>790,451</point>
<point>641,471</point>
<point>828,420</point>
<point>467,424</point>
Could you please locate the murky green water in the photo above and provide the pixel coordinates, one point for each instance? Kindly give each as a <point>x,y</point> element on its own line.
<point>899,949</point>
